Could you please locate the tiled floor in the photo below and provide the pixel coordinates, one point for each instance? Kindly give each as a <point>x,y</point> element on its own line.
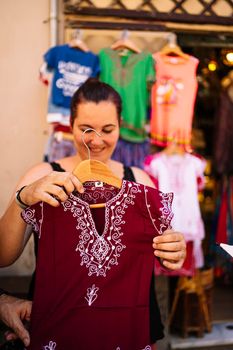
<point>221,334</point>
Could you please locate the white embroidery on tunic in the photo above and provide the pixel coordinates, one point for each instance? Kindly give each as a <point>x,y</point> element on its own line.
<point>51,346</point>
<point>166,210</point>
<point>42,218</point>
<point>29,216</point>
<point>98,194</point>
<point>148,209</point>
<point>91,294</point>
<point>100,252</point>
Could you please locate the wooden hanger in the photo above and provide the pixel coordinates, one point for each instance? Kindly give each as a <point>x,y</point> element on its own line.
<point>125,43</point>
<point>77,43</point>
<point>173,50</point>
<point>174,148</point>
<point>94,170</point>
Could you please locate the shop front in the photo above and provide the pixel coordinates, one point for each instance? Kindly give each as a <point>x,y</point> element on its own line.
<point>172,63</point>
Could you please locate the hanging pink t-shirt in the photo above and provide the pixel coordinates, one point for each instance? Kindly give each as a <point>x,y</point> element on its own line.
<point>172,99</point>
<point>94,268</point>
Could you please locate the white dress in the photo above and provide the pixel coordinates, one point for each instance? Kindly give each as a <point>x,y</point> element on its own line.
<point>180,174</point>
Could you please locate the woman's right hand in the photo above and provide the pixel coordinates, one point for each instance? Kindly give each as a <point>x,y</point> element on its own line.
<point>52,189</point>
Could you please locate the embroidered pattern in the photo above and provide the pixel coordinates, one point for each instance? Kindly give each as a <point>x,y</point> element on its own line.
<point>42,218</point>
<point>93,193</point>
<point>123,74</point>
<point>166,210</point>
<point>29,216</point>
<point>99,252</point>
<point>51,346</point>
<point>91,294</point>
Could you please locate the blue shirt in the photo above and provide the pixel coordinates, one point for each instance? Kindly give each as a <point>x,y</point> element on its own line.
<point>72,67</point>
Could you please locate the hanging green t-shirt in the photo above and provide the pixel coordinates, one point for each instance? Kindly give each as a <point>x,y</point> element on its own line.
<point>129,75</point>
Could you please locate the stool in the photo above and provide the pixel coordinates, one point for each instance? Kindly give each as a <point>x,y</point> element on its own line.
<point>191,306</point>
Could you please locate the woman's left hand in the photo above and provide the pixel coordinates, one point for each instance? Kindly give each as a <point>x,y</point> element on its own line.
<point>170,247</point>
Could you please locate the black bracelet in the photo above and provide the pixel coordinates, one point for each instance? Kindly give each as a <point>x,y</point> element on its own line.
<point>18,200</point>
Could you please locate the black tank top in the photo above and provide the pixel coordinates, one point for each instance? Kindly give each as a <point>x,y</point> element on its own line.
<point>128,173</point>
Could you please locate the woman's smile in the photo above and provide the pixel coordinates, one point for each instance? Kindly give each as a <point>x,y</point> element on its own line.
<point>101,142</point>
<point>96,150</point>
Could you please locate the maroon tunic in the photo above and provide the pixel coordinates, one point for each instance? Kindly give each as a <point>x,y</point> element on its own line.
<point>94,268</point>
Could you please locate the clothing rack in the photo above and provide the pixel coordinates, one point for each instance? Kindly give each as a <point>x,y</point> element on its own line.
<point>146,40</point>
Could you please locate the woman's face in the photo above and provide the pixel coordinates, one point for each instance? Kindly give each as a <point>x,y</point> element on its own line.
<point>103,118</point>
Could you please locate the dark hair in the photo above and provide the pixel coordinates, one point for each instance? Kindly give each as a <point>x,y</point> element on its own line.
<point>96,91</point>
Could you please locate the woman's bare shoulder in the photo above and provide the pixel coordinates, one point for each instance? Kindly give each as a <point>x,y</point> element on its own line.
<point>34,173</point>
<point>142,177</point>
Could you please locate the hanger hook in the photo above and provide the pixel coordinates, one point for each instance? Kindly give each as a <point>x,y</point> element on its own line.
<point>172,39</point>
<point>125,34</point>
<point>88,149</point>
<point>77,34</point>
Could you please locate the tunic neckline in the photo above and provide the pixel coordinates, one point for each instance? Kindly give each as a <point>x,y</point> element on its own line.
<point>109,205</point>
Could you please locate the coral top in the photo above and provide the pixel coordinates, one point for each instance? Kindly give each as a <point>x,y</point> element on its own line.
<point>94,268</point>
<point>172,99</point>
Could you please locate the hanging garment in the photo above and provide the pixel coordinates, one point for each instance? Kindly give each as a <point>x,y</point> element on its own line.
<point>223,140</point>
<point>172,99</point>
<point>56,114</point>
<point>179,174</point>
<point>222,229</point>
<point>93,270</point>
<point>68,68</point>
<point>129,75</point>
<point>59,147</point>
<point>224,213</point>
<point>131,153</point>
<point>71,67</point>
<point>221,236</point>
<point>156,326</point>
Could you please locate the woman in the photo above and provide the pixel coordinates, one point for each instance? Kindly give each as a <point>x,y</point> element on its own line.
<point>97,106</point>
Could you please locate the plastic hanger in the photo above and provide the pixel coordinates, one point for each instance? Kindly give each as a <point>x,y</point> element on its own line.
<point>76,42</point>
<point>172,49</point>
<point>125,43</point>
<point>94,170</point>
<point>174,148</point>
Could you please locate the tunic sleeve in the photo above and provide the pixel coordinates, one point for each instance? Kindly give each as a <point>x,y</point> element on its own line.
<point>159,209</point>
<point>33,216</point>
